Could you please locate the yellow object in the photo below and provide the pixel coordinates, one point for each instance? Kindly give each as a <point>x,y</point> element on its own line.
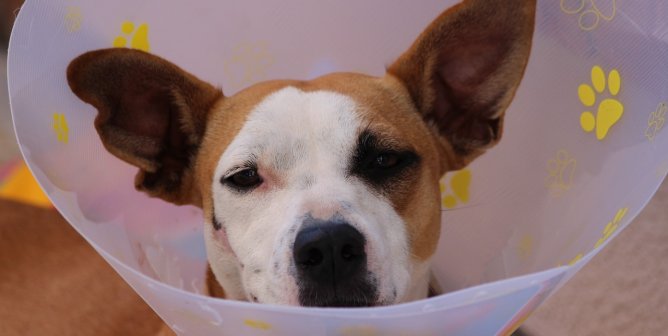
<point>525,247</point>
<point>611,227</point>
<point>588,121</point>
<point>590,12</point>
<point>21,186</point>
<point>561,172</point>
<point>459,184</point>
<point>257,324</point>
<point>610,110</point>
<point>576,259</point>
<point>73,19</point>
<point>138,37</point>
<point>587,95</point>
<point>657,119</point>
<point>61,128</point>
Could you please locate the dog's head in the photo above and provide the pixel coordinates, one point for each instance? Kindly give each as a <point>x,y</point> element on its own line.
<point>322,192</point>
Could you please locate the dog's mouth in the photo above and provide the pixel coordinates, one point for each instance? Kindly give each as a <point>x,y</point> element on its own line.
<point>346,303</point>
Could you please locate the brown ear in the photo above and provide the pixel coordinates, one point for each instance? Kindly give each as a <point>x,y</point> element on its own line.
<point>151,114</point>
<point>463,70</point>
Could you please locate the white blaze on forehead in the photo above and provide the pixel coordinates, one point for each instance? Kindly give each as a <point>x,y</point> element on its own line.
<point>292,125</point>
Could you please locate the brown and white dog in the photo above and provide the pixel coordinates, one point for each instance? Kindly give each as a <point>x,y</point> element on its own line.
<point>322,192</point>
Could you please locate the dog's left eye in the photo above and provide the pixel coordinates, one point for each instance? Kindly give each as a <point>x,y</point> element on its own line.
<point>386,161</point>
<point>379,161</point>
<point>244,180</point>
<point>386,164</point>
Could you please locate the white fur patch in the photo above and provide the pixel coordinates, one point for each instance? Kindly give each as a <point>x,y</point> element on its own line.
<point>302,144</point>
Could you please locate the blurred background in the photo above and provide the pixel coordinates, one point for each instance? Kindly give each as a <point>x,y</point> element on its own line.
<point>8,149</point>
<point>622,291</point>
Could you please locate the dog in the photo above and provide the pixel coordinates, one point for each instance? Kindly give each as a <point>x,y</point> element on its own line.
<point>323,192</point>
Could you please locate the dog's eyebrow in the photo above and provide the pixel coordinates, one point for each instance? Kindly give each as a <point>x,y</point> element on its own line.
<point>369,139</point>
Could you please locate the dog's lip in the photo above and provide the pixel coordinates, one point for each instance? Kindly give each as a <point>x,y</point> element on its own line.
<point>346,302</point>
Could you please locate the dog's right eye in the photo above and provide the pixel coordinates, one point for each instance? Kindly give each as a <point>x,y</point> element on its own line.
<point>244,180</point>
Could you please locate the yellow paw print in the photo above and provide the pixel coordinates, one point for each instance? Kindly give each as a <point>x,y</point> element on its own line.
<point>561,170</point>
<point>459,183</point>
<point>591,11</point>
<point>612,226</point>
<point>525,247</point>
<point>572,261</point>
<point>576,259</point>
<point>73,19</point>
<point>657,120</point>
<point>60,127</point>
<point>138,37</point>
<point>248,63</point>
<point>255,324</point>
<point>610,110</point>
<point>359,331</point>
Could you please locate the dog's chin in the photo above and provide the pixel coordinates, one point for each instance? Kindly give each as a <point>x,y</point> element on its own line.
<point>351,299</point>
<point>342,303</point>
<point>358,293</point>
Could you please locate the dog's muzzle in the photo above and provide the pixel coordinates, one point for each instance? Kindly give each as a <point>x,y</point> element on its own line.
<point>331,264</point>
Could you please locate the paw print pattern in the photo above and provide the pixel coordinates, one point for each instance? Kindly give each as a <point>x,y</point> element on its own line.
<point>609,229</point>
<point>60,127</point>
<point>590,12</point>
<point>576,259</point>
<point>255,324</point>
<point>609,110</point>
<point>138,37</point>
<point>359,331</point>
<point>73,19</point>
<point>248,63</point>
<point>572,261</point>
<point>657,120</point>
<point>525,246</point>
<point>459,189</point>
<point>612,226</point>
<point>561,170</point>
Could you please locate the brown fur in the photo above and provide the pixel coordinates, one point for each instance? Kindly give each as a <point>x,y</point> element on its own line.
<point>53,283</point>
<point>445,99</point>
<point>212,285</point>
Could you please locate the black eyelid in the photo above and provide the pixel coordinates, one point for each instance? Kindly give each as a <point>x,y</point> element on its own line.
<point>405,158</point>
<point>241,188</point>
<point>239,168</point>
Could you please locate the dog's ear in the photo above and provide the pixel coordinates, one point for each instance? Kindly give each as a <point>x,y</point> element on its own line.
<point>151,114</point>
<point>463,70</point>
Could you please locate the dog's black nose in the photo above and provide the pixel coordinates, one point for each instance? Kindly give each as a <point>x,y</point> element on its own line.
<point>331,262</point>
<point>331,252</point>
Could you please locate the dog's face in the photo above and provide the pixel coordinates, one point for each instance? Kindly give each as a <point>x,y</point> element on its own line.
<point>322,192</point>
<point>320,186</point>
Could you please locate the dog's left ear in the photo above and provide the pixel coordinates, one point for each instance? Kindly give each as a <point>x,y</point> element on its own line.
<point>151,114</point>
<point>463,70</point>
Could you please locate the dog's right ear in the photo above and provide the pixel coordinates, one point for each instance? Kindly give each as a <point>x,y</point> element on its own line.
<point>463,70</point>
<point>151,114</point>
